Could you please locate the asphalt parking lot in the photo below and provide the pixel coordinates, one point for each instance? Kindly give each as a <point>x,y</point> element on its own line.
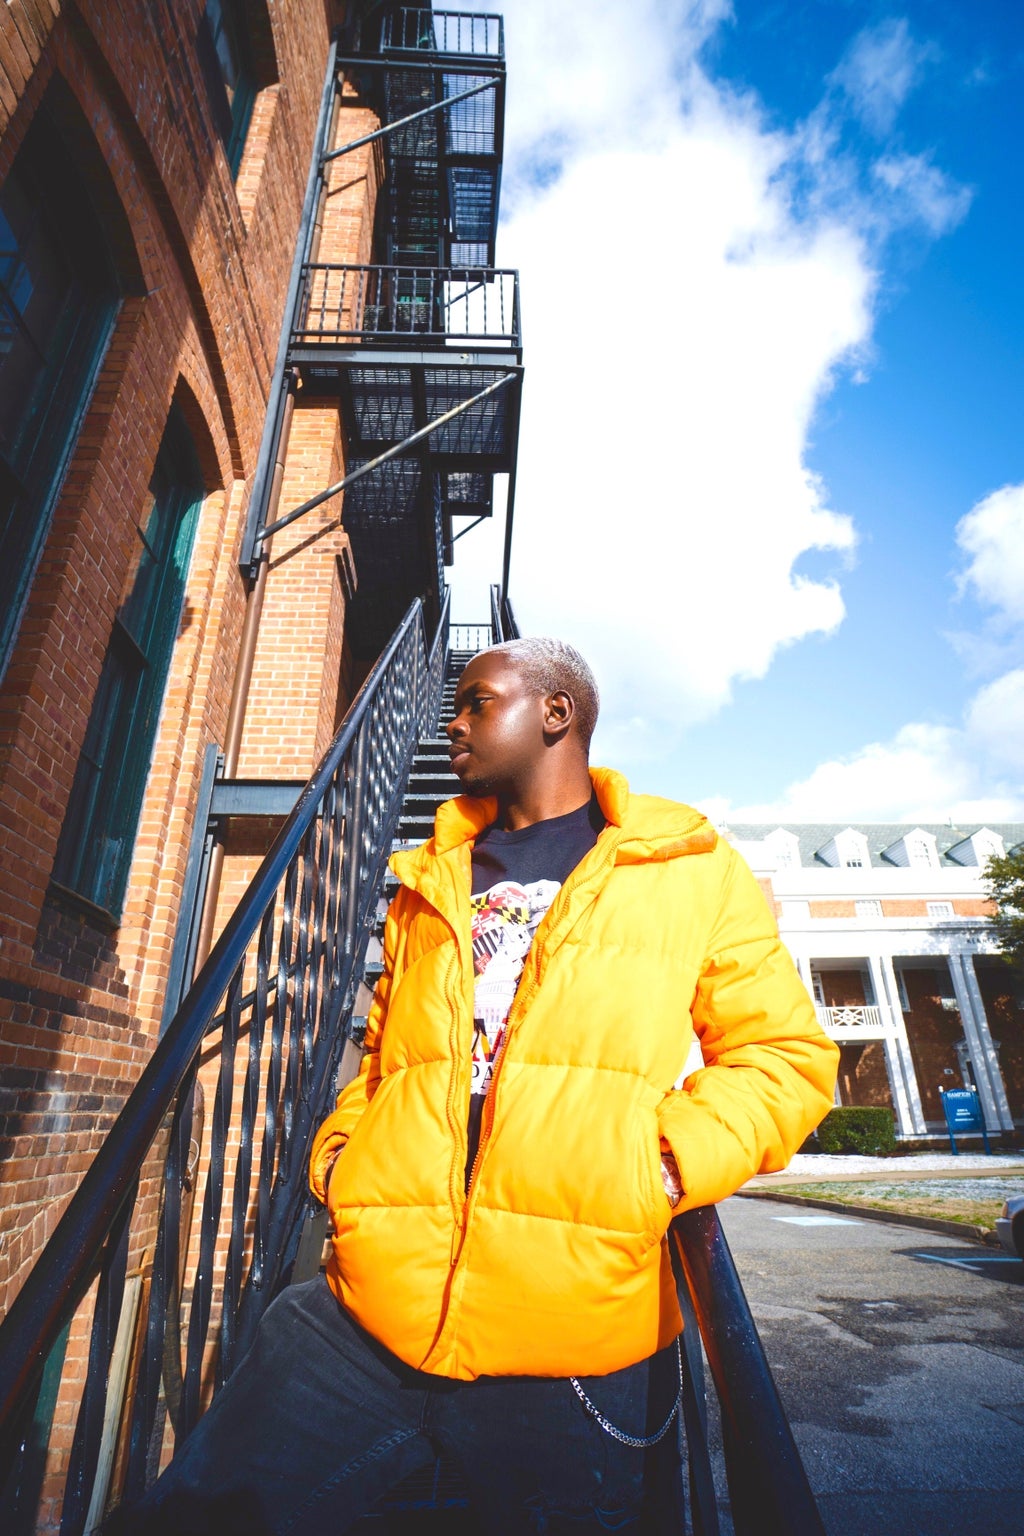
<point>900,1357</point>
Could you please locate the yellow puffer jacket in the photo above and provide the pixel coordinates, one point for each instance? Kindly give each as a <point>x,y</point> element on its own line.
<point>554,1265</point>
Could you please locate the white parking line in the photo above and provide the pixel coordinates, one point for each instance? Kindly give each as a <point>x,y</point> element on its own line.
<point>971,1263</point>
<point>818,1221</point>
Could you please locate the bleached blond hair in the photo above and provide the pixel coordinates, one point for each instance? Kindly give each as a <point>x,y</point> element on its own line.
<point>552,666</point>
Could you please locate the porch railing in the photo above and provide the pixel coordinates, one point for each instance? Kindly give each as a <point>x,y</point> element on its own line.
<point>218,1200</point>
<point>858,1016</point>
<point>378,306</point>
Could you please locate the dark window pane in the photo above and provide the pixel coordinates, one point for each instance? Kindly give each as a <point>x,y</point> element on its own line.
<point>226,61</point>
<point>58,299</point>
<point>98,837</point>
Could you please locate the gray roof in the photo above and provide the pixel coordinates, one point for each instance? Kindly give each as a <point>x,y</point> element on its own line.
<point>880,835</point>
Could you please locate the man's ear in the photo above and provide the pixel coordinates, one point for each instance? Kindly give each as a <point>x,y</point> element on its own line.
<point>559,713</point>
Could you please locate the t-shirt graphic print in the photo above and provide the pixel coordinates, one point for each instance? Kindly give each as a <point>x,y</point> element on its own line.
<point>505,919</point>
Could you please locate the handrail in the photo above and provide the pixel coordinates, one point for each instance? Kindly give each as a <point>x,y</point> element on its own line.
<point>282,977</point>
<point>769,1494</point>
<point>503,620</point>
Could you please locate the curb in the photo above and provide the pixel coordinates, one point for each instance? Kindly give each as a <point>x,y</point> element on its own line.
<point>868,1213</point>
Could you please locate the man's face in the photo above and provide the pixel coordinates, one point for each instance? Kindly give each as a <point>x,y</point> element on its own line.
<point>497,735</point>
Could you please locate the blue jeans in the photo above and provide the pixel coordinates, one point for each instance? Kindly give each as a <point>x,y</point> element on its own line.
<point>319,1420</point>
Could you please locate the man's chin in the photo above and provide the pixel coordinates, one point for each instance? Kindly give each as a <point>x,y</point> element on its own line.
<point>478,785</point>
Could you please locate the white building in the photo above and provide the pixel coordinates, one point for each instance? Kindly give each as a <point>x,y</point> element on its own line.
<point>888,926</point>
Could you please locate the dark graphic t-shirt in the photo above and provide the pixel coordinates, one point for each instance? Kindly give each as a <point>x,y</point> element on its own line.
<point>516,876</point>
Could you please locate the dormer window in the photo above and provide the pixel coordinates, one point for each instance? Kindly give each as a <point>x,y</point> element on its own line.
<point>847,850</point>
<point>914,850</point>
<point>784,846</point>
<point>977,849</point>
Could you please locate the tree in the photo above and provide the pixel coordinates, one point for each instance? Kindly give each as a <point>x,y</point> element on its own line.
<point>1005,879</point>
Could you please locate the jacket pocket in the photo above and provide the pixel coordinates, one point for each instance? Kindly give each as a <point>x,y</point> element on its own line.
<point>658,1210</point>
<point>357,1160</point>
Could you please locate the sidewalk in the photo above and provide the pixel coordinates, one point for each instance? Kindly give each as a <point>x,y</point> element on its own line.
<point>942,1177</point>
<point>818,1167</point>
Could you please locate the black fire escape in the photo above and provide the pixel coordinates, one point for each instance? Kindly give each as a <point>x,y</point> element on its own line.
<point>422,348</point>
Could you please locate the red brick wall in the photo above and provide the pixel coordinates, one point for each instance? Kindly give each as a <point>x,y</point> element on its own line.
<point>80,997</point>
<point>832,909</point>
<point>863,1078</point>
<point>80,1000</point>
<point>843,989</point>
<point>933,1030</point>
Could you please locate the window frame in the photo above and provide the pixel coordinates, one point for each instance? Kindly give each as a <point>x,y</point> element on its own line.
<point>249,36</point>
<point>61,389</point>
<point>97,842</point>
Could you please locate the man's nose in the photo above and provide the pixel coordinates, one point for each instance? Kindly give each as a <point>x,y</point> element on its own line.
<point>455,727</point>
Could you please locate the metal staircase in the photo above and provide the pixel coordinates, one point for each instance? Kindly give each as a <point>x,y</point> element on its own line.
<point>431,779</point>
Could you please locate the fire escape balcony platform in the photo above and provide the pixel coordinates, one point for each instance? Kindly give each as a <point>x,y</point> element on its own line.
<point>400,346</point>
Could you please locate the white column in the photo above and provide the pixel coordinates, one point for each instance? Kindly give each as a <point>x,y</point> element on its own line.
<point>899,1062</point>
<point>991,1089</point>
<point>985,1033</point>
<point>803,965</point>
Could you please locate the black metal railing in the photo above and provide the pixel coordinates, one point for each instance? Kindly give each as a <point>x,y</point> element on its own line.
<point>219,1200</point>
<point>503,619</point>
<point>418,30</point>
<point>470,637</point>
<point>769,1494</point>
<point>376,305</point>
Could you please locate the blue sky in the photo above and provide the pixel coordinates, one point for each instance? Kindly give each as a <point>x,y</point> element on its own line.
<point>771,465</point>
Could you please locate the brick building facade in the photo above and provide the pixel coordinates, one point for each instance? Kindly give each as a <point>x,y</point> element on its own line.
<point>153,164</point>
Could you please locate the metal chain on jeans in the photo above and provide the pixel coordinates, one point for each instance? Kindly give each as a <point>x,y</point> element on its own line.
<point>641,1442</point>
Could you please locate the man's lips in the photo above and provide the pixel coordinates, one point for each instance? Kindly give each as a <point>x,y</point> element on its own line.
<point>455,754</point>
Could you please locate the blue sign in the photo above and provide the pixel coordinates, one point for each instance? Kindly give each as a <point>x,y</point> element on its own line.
<point>962,1109</point>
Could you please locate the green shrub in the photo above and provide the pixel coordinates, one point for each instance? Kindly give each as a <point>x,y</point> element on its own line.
<point>871,1131</point>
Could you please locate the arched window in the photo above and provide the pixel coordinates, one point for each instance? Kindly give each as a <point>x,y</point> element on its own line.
<point>98,838</point>
<point>59,296</point>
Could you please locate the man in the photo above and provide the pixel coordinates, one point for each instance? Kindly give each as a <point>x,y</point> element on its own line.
<point>529,1113</point>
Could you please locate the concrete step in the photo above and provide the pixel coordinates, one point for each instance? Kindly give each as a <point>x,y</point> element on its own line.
<point>415,829</point>
<point>443,785</point>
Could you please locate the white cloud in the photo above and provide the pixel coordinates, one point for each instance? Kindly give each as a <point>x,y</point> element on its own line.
<point>682,324</point>
<point>879,70</point>
<point>995,721</point>
<point>923,773</point>
<point>693,283</point>
<point>992,537</point>
<point>927,772</point>
<point>919,193</point>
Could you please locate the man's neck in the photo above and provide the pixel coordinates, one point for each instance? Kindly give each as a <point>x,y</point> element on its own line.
<point>544,802</point>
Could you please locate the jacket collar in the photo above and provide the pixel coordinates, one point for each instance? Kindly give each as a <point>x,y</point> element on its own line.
<point>647,829</point>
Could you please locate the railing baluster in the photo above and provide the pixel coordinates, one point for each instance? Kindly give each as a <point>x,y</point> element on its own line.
<point>85,1447</point>
<point>202,1291</point>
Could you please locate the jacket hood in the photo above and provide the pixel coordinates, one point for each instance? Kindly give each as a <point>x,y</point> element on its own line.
<point>648,829</point>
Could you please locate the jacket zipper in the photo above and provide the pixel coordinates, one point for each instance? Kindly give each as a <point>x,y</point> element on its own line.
<point>487,1119</point>
<point>519,1005</point>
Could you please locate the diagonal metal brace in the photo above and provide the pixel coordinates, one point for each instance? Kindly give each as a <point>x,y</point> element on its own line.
<point>469,527</point>
<point>382,458</point>
<point>403,122</point>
